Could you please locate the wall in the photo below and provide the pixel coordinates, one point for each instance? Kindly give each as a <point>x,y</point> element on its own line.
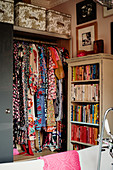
<point>103,24</point>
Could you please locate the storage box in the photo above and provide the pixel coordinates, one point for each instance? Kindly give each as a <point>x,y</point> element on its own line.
<point>58,22</point>
<point>7,11</point>
<point>30,16</point>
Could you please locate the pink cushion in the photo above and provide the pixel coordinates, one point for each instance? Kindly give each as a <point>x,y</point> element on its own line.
<point>68,160</point>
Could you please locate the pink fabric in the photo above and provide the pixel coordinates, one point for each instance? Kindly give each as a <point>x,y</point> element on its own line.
<point>15,152</point>
<point>68,160</point>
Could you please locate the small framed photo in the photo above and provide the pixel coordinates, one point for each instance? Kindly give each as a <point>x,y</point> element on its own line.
<point>85,37</point>
<point>85,11</point>
<point>107,11</point>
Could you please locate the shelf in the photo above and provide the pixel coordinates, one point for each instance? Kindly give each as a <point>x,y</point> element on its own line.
<point>84,123</point>
<point>84,101</point>
<point>84,81</point>
<point>37,33</point>
<point>81,143</point>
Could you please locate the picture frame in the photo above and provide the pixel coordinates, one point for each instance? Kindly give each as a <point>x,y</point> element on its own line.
<point>85,11</point>
<point>85,37</point>
<point>107,12</point>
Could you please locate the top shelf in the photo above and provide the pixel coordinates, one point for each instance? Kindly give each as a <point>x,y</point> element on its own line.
<point>32,33</point>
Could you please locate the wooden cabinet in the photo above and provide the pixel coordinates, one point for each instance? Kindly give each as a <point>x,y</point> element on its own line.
<point>90,86</point>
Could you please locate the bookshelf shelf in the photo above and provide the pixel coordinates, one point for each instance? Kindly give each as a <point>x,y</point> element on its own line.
<point>84,101</point>
<point>84,123</point>
<point>81,143</point>
<point>90,86</point>
<point>85,81</point>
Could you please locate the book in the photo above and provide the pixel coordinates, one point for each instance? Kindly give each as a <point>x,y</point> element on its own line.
<point>71,112</point>
<point>72,132</point>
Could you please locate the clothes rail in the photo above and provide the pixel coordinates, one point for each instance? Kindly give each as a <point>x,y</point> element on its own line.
<point>35,41</point>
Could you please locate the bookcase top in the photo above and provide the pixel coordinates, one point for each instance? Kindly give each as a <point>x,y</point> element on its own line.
<point>90,57</point>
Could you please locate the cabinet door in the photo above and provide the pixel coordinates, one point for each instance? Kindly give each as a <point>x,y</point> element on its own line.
<point>6,81</point>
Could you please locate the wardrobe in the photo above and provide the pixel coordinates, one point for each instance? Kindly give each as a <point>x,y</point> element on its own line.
<point>6,74</point>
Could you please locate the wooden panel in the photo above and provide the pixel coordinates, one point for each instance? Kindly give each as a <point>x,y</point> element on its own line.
<point>108,90</point>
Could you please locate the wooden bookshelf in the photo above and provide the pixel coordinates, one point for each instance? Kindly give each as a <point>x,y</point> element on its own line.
<point>84,123</point>
<point>81,143</point>
<point>104,80</point>
<point>84,81</point>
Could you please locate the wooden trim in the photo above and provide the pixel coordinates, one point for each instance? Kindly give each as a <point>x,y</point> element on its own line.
<point>19,29</point>
<point>86,144</point>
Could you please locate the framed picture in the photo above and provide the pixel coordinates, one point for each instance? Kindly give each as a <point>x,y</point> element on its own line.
<point>85,11</point>
<point>85,37</point>
<point>107,11</point>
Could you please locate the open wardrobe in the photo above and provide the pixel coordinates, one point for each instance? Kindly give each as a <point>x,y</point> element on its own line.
<point>39,97</point>
<point>33,92</point>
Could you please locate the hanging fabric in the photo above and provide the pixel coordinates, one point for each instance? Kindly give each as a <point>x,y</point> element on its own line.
<point>38,95</point>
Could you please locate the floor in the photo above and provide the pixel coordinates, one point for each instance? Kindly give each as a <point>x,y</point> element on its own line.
<point>29,157</point>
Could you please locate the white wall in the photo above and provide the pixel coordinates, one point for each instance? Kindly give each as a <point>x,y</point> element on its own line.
<point>104,32</point>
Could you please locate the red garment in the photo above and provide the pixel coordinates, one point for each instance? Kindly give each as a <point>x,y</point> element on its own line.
<point>53,57</point>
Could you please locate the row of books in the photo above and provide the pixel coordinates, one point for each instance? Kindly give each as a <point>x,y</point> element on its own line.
<point>78,147</point>
<point>84,92</point>
<point>85,72</point>
<point>84,134</point>
<point>85,113</point>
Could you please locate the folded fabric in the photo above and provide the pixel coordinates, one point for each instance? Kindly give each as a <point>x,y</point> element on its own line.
<point>15,151</point>
<point>68,160</point>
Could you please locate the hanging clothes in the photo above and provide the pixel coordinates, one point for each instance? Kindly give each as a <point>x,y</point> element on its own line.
<point>38,79</point>
<point>20,75</point>
<point>51,80</point>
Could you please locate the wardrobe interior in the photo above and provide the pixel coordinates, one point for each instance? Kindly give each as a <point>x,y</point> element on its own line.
<point>39,94</point>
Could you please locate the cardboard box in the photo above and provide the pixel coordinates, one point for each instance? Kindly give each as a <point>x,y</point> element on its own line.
<point>7,11</point>
<point>30,16</point>
<point>58,22</point>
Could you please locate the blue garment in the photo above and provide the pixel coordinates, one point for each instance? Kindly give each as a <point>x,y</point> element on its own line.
<point>40,121</point>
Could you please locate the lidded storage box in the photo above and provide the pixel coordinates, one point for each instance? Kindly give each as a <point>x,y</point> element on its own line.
<point>58,22</point>
<point>7,11</point>
<point>30,16</point>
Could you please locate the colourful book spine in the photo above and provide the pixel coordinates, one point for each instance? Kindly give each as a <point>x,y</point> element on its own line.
<point>75,133</point>
<point>72,131</point>
<point>97,116</point>
<point>88,72</point>
<point>93,113</point>
<point>91,72</point>
<point>82,72</point>
<point>94,71</point>
<point>75,113</point>
<point>72,74</point>
<point>71,112</point>
<point>84,134</point>
<point>90,113</point>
